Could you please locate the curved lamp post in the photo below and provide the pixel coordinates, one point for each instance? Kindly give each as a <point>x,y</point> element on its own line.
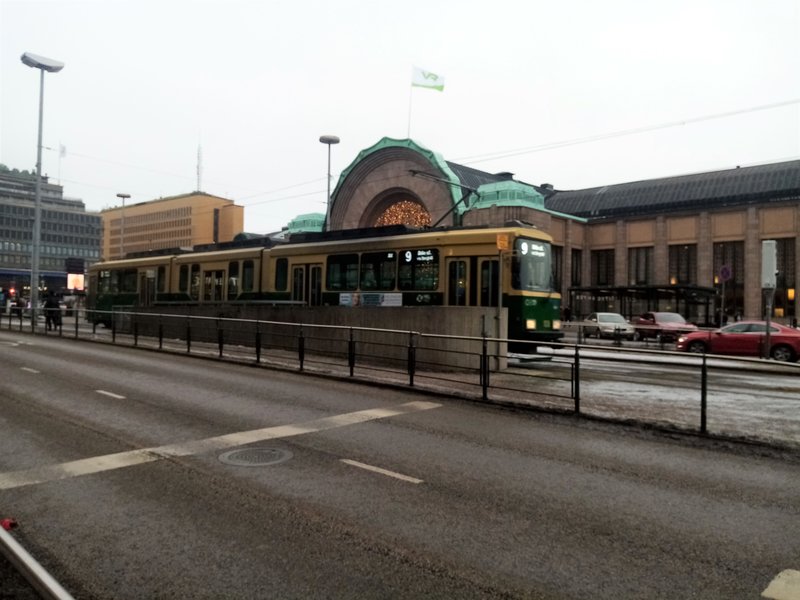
<point>328,140</point>
<point>51,66</point>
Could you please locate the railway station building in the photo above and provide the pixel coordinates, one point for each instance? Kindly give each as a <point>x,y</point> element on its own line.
<point>688,244</point>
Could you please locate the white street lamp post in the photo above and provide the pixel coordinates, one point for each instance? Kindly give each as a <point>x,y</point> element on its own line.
<point>51,66</point>
<point>329,140</point>
<point>122,225</point>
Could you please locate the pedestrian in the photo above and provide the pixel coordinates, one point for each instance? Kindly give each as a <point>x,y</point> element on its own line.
<point>52,312</point>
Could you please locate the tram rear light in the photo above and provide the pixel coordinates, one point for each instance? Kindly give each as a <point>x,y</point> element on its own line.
<point>530,323</point>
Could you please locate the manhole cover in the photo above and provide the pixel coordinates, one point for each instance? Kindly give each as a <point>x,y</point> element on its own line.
<point>254,457</point>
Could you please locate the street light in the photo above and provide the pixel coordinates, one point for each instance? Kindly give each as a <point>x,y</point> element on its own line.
<point>329,140</point>
<point>122,225</point>
<point>51,66</point>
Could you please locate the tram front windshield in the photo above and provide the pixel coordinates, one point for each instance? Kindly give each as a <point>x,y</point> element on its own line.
<point>531,265</point>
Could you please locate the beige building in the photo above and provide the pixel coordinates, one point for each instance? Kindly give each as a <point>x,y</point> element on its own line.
<point>175,222</point>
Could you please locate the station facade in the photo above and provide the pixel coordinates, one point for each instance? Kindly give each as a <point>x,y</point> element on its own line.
<point>688,244</point>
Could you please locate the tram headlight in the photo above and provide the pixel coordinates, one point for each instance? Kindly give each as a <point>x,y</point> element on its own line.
<point>557,324</point>
<point>530,324</point>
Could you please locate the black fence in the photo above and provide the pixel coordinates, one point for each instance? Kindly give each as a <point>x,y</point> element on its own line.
<point>631,382</point>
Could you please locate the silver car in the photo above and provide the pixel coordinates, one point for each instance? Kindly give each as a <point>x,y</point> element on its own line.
<point>608,325</point>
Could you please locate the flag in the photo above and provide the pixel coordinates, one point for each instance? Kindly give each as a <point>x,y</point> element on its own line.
<point>426,79</point>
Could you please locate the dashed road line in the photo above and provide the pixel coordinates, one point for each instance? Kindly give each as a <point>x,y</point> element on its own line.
<point>108,462</point>
<point>29,370</point>
<point>110,394</point>
<point>386,472</point>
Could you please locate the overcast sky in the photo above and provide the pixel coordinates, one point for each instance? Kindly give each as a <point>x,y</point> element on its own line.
<point>577,93</point>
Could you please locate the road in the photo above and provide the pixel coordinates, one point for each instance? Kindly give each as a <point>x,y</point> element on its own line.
<point>112,460</point>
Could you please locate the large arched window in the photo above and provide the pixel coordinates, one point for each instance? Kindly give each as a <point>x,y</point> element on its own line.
<point>404,212</point>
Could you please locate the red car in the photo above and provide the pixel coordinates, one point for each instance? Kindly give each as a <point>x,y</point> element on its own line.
<point>667,325</point>
<point>745,338</point>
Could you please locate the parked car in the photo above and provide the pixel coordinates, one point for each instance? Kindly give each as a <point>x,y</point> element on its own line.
<point>663,325</point>
<point>607,324</point>
<point>745,338</point>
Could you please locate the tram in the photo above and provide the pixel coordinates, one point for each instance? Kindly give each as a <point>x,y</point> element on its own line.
<point>507,266</point>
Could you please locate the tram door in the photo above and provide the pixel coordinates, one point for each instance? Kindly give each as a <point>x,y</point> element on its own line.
<point>457,281</point>
<point>213,285</point>
<point>307,284</point>
<point>147,287</point>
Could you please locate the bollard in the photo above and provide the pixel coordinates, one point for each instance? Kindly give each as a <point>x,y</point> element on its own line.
<point>351,353</point>
<point>412,359</point>
<point>258,345</point>
<point>577,381</point>
<point>703,395</point>
<point>485,369</point>
<point>301,348</point>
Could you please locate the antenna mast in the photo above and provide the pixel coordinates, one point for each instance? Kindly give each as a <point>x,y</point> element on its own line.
<point>199,166</point>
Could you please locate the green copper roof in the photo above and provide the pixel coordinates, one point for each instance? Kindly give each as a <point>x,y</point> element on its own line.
<point>434,158</point>
<point>307,222</point>
<point>508,193</point>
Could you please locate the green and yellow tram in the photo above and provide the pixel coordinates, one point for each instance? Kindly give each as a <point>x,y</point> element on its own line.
<point>509,267</point>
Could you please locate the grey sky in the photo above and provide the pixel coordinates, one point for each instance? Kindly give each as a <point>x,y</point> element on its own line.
<point>256,83</point>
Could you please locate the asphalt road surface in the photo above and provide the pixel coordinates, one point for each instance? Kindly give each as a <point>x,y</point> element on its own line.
<point>134,474</point>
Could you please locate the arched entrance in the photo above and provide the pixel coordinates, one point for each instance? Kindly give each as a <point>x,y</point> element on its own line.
<point>396,207</point>
<point>380,188</point>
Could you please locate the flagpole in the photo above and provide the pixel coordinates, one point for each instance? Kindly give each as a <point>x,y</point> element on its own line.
<point>410,93</point>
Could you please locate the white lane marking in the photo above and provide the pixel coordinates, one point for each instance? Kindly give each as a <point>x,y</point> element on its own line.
<point>110,394</point>
<point>29,370</point>
<point>786,586</point>
<point>119,460</point>
<point>386,472</point>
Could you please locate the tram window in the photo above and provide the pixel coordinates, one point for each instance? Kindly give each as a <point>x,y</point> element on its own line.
<point>248,276</point>
<point>104,282</point>
<point>194,283</point>
<point>233,279</point>
<point>161,282</point>
<point>489,282</point>
<point>281,274</point>
<point>127,280</point>
<point>531,265</point>
<point>378,270</point>
<point>419,269</point>
<point>183,279</point>
<point>342,272</point>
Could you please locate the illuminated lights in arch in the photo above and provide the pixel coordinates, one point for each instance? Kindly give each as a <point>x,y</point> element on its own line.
<point>405,212</point>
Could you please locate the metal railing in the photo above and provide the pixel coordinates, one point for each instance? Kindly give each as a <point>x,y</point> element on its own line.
<point>577,378</point>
